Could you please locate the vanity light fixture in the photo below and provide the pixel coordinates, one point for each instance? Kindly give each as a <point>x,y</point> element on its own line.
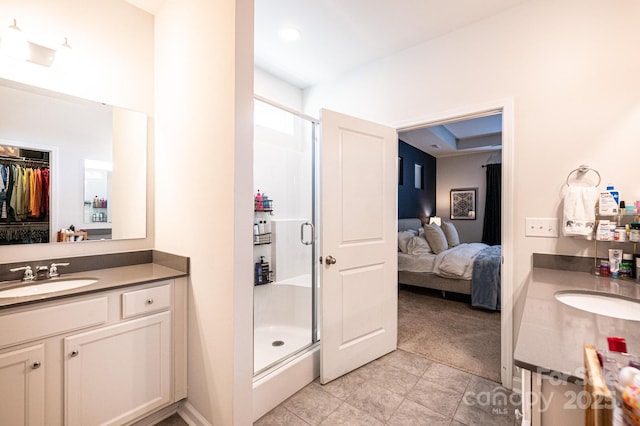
<point>289,34</point>
<point>14,43</point>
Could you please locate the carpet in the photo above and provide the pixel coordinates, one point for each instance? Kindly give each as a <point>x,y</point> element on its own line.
<point>449,331</point>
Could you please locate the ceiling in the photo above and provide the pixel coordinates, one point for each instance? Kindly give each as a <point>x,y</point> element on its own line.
<point>341,35</point>
<point>338,36</point>
<point>469,136</point>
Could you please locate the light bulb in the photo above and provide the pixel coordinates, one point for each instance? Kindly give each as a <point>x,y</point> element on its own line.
<point>14,43</point>
<point>64,56</point>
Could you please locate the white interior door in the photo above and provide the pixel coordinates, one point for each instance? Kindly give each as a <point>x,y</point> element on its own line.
<point>358,291</point>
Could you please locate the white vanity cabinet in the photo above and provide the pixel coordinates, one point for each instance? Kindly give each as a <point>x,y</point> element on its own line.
<point>22,386</point>
<point>108,358</point>
<point>118,373</point>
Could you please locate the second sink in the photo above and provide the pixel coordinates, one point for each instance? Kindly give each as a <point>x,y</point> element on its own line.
<point>601,304</point>
<point>47,287</point>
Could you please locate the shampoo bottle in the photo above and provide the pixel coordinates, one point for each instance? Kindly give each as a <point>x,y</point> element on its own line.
<point>259,205</point>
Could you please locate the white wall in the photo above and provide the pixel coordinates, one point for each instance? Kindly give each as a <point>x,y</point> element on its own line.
<point>204,200</point>
<point>113,49</point>
<point>277,90</point>
<point>463,171</point>
<point>572,70</point>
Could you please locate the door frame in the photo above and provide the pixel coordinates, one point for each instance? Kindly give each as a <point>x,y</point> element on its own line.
<point>506,107</point>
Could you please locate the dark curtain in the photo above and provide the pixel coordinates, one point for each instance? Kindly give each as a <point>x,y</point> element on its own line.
<point>491,233</point>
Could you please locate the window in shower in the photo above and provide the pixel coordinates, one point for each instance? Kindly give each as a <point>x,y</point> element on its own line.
<point>284,172</point>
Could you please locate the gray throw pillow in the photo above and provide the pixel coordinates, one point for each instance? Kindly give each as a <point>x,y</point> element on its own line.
<point>435,237</point>
<point>451,233</point>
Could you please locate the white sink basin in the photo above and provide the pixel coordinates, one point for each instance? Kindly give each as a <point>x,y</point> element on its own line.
<point>601,304</point>
<point>47,287</point>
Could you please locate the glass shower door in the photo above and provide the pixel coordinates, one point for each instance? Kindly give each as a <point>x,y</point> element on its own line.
<point>284,234</point>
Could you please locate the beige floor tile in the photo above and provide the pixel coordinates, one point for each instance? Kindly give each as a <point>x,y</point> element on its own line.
<point>312,404</point>
<point>435,396</point>
<point>489,397</point>
<point>394,379</point>
<point>407,361</point>
<point>410,413</point>
<point>280,416</point>
<point>448,377</point>
<point>344,386</point>
<point>351,416</point>
<point>375,400</point>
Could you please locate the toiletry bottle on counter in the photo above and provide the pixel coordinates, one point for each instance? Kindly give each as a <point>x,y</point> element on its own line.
<point>615,257</point>
<point>256,233</point>
<point>608,202</point>
<point>627,266</point>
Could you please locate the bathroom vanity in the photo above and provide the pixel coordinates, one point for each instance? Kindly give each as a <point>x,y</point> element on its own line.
<point>552,334</point>
<point>110,353</point>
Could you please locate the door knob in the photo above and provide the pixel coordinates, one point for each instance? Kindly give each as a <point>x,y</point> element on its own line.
<point>330,260</point>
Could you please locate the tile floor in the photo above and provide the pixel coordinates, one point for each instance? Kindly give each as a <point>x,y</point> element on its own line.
<point>398,389</point>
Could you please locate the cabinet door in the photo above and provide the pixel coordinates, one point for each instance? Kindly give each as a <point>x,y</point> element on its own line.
<point>22,386</point>
<point>118,373</point>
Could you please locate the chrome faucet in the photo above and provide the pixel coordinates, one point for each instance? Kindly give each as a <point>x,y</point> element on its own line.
<point>28,272</point>
<point>40,269</point>
<point>53,269</point>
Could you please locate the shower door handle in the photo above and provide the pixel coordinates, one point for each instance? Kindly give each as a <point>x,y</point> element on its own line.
<point>313,231</point>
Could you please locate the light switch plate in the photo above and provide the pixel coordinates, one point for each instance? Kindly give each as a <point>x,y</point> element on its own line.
<point>541,227</point>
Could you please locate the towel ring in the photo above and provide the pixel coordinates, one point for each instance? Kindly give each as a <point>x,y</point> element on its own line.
<point>582,170</point>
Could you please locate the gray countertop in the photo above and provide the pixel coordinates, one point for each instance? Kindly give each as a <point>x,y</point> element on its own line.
<point>552,334</point>
<point>107,279</point>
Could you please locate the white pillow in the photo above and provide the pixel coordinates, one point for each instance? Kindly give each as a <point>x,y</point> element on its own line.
<point>451,233</point>
<point>403,240</point>
<point>419,246</point>
<point>435,237</point>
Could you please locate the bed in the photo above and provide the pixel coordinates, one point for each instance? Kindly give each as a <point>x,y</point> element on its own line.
<point>433,257</point>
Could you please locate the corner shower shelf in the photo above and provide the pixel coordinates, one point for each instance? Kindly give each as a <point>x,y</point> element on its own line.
<point>262,239</point>
<point>263,206</point>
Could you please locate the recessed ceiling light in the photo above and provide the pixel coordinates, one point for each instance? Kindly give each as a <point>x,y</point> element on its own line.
<point>290,34</point>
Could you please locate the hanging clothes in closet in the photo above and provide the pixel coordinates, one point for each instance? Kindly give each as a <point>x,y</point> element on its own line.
<point>24,192</point>
<point>24,201</point>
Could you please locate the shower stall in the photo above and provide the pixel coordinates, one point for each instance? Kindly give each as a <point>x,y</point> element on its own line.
<point>285,240</point>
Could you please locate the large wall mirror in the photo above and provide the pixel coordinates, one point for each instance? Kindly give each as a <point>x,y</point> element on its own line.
<point>82,164</point>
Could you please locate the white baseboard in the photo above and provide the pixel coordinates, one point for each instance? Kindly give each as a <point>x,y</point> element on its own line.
<point>158,416</point>
<point>191,416</point>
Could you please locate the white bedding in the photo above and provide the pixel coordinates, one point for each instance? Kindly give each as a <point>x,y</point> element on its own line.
<point>456,262</point>
<point>413,263</point>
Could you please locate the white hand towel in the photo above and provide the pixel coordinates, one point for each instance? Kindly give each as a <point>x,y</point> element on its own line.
<point>579,211</point>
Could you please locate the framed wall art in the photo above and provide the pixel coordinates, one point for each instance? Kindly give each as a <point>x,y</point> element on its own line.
<point>463,203</point>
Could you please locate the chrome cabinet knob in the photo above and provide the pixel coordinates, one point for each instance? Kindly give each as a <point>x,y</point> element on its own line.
<point>330,260</point>
<point>149,301</point>
<point>36,365</point>
<point>75,353</point>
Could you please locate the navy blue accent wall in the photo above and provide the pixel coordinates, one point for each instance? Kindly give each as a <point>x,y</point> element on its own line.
<point>414,202</point>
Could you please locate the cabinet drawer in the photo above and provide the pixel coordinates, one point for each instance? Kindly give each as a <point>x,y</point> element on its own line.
<point>44,322</point>
<point>147,300</point>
